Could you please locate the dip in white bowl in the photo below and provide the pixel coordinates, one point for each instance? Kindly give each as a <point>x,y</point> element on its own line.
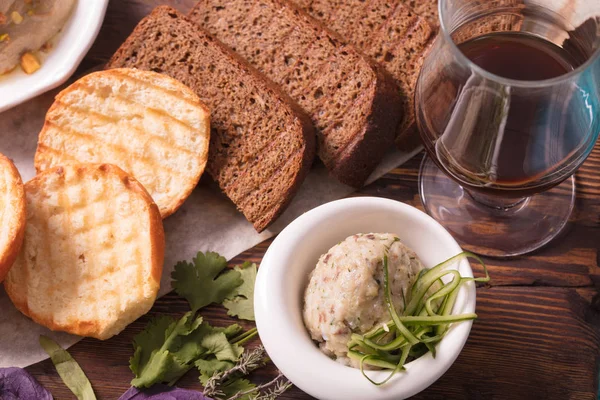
<point>345,293</point>
<point>283,277</point>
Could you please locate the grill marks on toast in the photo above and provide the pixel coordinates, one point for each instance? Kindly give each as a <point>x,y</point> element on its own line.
<point>391,33</point>
<point>148,124</point>
<point>12,214</point>
<point>328,78</point>
<point>262,145</point>
<point>90,227</point>
<point>95,141</point>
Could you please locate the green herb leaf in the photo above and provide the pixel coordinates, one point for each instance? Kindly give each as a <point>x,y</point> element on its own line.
<point>242,302</point>
<point>235,386</point>
<point>208,367</point>
<point>167,348</point>
<point>198,281</point>
<point>164,350</point>
<point>68,369</point>
<point>216,343</point>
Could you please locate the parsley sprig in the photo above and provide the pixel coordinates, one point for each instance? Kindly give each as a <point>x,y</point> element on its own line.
<point>203,282</point>
<point>168,348</point>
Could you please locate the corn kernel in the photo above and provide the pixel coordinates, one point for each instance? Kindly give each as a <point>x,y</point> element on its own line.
<point>4,37</point>
<point>30,12</point>
<point>29,63</point>
<point>16,17</point>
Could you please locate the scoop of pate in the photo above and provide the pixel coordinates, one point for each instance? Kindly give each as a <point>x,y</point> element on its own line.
<point>26,25</point>
<point>346,295</point>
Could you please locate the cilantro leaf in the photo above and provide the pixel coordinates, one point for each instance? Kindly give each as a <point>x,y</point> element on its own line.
<point>241,304</point>
<point>200,283</point>
<point>231,331</point>
<point>164,350</point>
<point>167,348</point>
<point>216,343</point>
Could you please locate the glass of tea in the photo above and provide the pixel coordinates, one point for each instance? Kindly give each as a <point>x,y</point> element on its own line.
<point>508,108</point>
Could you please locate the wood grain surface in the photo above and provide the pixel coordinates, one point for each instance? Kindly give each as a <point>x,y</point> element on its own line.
<point>538,332</point>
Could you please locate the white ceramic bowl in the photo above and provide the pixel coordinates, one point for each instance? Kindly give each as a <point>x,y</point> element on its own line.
<point>283,277</point>
<point>68,49</point>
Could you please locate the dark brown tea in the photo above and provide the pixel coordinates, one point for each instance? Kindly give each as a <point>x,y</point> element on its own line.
<point>510,161</point>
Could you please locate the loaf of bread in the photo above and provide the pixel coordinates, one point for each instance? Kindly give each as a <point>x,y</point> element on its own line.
<point>392,34</point>
<point>12,214</point>
<point>93,252</point>
<point>148,124</point>
<point>262,145</point>
<point>353,104</point>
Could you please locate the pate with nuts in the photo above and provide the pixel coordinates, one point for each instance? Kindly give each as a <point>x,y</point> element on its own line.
<point>25,27</point>
<point>345,294</point>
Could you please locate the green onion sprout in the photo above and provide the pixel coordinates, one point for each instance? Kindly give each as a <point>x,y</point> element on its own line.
<point>426,318</point>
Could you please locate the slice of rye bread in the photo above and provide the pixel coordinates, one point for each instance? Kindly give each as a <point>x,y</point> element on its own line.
<point>262,145</point>
<point>391,33</point>
<point>425,8</point>
<point>353,104</point>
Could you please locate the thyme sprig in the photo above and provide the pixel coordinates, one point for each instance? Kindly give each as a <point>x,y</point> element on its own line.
<point>248,362</point>
<point>276,388</point>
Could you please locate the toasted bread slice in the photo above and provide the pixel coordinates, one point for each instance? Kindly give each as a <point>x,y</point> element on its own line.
<point>392,34</point>
<point>12,214</point>
<point>150,125</point>
<point>262,144</point>
<point>354,106</point>
<point>93,252</point>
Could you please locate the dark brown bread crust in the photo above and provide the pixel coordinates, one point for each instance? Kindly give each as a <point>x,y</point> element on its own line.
<point>391,33</point>
<point>353,104</point>
<point>366,157</point>
<point>262,144</point>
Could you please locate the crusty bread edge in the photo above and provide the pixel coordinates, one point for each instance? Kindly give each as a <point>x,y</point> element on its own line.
<point>17,231</point>
<point>377,136</point>
<point>380,129</point>
<point>300,116</point>
<point>407,134</point>
<point>308,156</point>
<point>157,246</point>
<point>203,158</point>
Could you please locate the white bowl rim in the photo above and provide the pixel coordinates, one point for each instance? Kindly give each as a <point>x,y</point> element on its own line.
<point>75,39</point>
<point>299,359</point>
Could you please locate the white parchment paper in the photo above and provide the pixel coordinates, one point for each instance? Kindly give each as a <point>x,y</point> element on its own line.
<point>207,221</point>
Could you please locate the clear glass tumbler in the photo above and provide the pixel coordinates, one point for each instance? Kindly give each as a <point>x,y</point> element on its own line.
<point>502,150</point>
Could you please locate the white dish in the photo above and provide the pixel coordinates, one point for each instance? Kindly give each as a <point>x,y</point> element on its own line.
<point>67,50</point>
<point>283,276</point>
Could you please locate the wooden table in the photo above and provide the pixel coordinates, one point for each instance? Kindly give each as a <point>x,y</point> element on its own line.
<point>538,332</point>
